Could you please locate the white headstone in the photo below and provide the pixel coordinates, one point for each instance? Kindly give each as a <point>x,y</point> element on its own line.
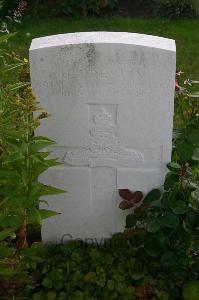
<point>110,96</point>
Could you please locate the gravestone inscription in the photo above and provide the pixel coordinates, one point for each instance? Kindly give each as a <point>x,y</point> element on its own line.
<point>110,96</point>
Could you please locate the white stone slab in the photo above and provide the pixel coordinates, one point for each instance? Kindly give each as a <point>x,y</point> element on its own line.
<point>110,96</point>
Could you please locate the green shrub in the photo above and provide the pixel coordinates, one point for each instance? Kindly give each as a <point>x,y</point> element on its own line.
<point>118,270</point>
<point>169,219</point>
<point>191,290</point>
<point>63,7</point>
<point>84,7</point>
<point>21,162</point>
<point>174,8</point>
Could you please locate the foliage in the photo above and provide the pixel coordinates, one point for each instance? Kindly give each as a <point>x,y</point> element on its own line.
<point>186,102</point>
<point>22,160</point>
<point>173,9</point>
<point>169,219</point>
<point>163,8</point>
<point>116,270</point>
<point>84,7</point>
<point>191,290</point>
<point>64,7</point>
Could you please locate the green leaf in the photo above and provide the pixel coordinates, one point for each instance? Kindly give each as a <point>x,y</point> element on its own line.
<point>179,207</point>
<point>47,283</point>
<point>170,180</point>
<point>137,275</point>
<point>6,271</point>
<point>18,86</point>
<point>38,296</point>
<point>165,200</point>
<point>36,146</point>
<point>13,221</point>
<point>39,189</point>
<point>191,223</point>
<point>153,224</point>
<point>5,251</point>
<point>43,155</point>
<point>194,95</point>
<point>35,217</point>
<point>191,290</point>
<point>12,133</point>
<point>12,66</point>
<point>49,190</point>
<point>110,285</point>
<point>14,157</point>
<point>195,155</point>
<point>45,213</point>
<point>40,165</point>
<point>193,136</point>
<point>185,150</point>
<point>51,296</point>
<point>5,233</point>
<point>177,133</point>
<point>131,220</point>
<point>42,139</point>
<point>78,295</point>
<point>174,167</point>
<point>152,247</point>
<point>90,277</point>
<point>195,194</point>
<point>6,37</point>
<point>169,198</point>
<point>153,195</point>
<point>8,174</point>
<point>169,220</point>
<point>168,258</point>
<point>13,141</point>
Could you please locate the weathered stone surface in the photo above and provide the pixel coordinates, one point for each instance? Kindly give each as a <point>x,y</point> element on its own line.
<point>110,96</point>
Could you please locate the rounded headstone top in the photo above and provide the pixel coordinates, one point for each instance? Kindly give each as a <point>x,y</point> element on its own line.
<point>103,37</point>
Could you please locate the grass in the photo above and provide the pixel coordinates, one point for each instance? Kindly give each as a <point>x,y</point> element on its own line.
<point>185,32</point>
